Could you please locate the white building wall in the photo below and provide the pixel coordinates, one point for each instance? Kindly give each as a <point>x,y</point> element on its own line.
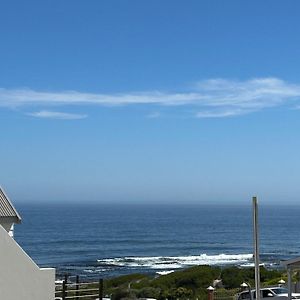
<point>20,277</point>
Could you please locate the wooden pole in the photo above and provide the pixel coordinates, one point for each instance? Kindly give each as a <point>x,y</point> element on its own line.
<point>100,289</point>
<point>256,247</point>
<point>63,295</point>
<point>64,287</point>
<point>77,287</point>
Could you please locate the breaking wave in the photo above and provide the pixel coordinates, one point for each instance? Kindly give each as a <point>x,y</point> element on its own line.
<point>176,262</point>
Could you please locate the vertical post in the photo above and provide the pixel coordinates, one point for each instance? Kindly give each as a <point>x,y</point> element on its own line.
<point>77,287</point>
<point>210,290</point>
<point>63,294</point>
<point>64,287</point>
<point>256,247</point>
<point>289,273</point>
<point>100,289</point>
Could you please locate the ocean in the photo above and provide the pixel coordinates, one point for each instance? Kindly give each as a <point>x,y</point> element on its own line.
<point>101,240</point>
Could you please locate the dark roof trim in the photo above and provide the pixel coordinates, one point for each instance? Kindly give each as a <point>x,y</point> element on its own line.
<point>7,210</point>
<point>294,262</point>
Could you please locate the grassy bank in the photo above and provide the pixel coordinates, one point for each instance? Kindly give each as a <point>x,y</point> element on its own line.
<point>190,283</point>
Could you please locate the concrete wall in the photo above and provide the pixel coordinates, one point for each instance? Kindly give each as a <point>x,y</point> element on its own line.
<point>20,277</point>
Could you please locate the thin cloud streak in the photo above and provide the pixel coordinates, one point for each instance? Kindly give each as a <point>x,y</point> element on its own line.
<point>222,113</point>
<point>211,98</point>
<point>45,114</point>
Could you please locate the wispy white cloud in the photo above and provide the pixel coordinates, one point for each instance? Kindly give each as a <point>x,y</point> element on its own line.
<point>21,97</point>
<point>46,114</point>
<point>210,98</point>
<point>223,113</point>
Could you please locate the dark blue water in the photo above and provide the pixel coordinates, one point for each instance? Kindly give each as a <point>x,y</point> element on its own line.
<point>109,240</point>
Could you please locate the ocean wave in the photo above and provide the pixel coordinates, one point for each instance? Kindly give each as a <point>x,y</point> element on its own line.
<point>164,272</point>
<point>176,262</point>
<point>251,265</point>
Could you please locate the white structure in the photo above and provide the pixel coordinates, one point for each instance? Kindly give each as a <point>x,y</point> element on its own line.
<point>20,277</point>
<point>291,265</point>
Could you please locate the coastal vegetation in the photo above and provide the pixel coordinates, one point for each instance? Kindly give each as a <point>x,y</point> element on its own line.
<point>190,283</point>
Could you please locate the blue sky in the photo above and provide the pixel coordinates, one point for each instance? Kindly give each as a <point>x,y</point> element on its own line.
<point>150,101</point>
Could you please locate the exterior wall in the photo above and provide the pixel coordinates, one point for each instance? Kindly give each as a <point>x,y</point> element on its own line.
<point>20,277</point>
<point>9,227</point>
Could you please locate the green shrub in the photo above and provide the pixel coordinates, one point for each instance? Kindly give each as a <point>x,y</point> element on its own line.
<point>124,280</point>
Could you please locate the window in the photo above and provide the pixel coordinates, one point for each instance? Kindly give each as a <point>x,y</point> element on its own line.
<point>267,294</point>
<point>244,295</point>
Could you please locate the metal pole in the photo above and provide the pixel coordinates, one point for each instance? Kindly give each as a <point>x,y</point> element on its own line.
<point>256,247</point>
